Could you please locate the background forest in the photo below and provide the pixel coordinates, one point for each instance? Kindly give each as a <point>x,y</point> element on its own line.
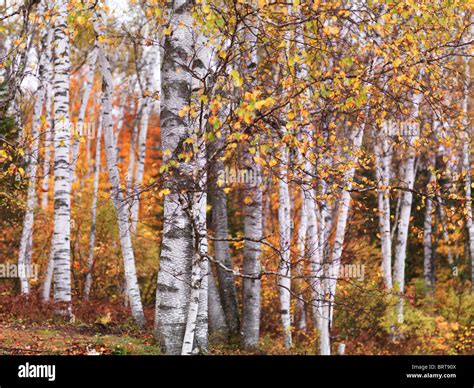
<point>236,177</point>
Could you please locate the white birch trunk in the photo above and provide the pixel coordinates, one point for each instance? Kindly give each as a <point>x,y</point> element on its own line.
<point>227,288</point>
<point>300,264</point>
<point>334,265</point>
<point>92,231</point>
<point>250,325</point>
<point>48,277</point>
<point>133,291</point>
<point>251,266</point>
<point>382,168</point>
<point>48,133</point>
<point>408,181</point>
<point>193,309</point>
<point>62,137</point>
<point>466,167</point>
<point>26,241</point>
<point>181,294</point>
<point>152,61</point>
<point>284,269</point>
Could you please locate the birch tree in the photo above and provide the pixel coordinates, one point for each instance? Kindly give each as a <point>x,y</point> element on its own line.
<point>382,169</point>
<point>152,61</point>
<point>227,288</point>
<point>62,136</point>
<point>92,231</point>
<point>26,242</point>
<point>466,163</point>
<point>250,326</point>
<point>133,291</point>
<point>412,129</point>
<point>284,270</point>
<point>48,132</point>
<point>181,295</point>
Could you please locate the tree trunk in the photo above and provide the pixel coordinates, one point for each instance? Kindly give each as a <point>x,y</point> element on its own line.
<point>382,167</point>
<point>250,325</point>
<point>152,61</point>
<point>92,231</point>
<point>284,268</point>
<point>227,289</point>
<point>334,265</point>
<point>408,180</point>
<point>26,241</point>
<point>62,183</point>
<point>300,315</point>
<point>181,294</point>
<point>133,291</point>
<point>466,167</point>
<point>48,133</point>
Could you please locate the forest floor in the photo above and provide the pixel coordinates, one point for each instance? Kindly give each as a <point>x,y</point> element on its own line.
<point>29,326</point>
<point>30,339</point>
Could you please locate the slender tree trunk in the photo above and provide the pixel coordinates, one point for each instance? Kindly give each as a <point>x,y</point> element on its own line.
<point>343,212</point>
<point>26,241</point>
<point>62,183</point>
<point>133,291</point>
<point>132,157</point>
<point>383,161</point>
<point>284,269</point>
<point>196,333</point>
<point>466,167</point>
<point>250,325</point>
<point>48,277</point>
<point>92,231</point>
<point>227,289</point>
<point>316,259</point>
<point>408,180</point>
<point>300,264</point>
<point>48,133</point>
<point>152,61</point>
<point>200,222</point>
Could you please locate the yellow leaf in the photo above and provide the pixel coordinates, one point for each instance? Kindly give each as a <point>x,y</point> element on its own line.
<point>164,192</point>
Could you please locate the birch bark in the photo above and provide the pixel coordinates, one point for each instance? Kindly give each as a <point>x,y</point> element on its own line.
<point>284,269</point>
<point>62,137</point>
<point>250,326</point>
<point>408,180</point>
<point>92,231</point>
<point>181,295</point>
<point>133,291</point>
<point>382,168</point>
<point>466,166</point>
<point>48,133</point>
<point>26,241</point>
